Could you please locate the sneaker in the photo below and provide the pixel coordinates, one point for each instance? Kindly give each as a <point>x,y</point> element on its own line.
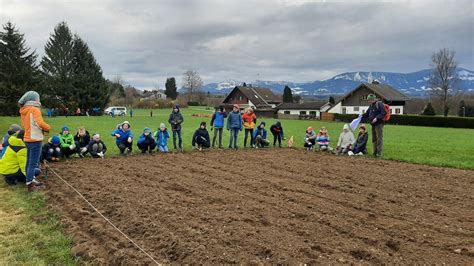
<point>32,187</point>
<point>36,182</point>
<point>350,153</point>
<point>360,153</point>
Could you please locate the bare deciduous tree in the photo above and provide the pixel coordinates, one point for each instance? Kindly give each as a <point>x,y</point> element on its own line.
<point>443,76</point>
<point>192,83</point>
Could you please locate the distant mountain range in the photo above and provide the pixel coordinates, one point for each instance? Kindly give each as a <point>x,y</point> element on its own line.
<point>411,84</point>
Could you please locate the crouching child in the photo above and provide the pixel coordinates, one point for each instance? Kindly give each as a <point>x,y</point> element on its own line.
<point>96,147</point>
<point>309,139</point>
<point>201,138</point>
<point>82,139</point>
<point>51,151</point>
<point>123,137</point>
<point>260,136</point>
<point>346,141</point>
<point>322,140</point>
<point>360,147</point>
<point>68,146</point>
<point>146,142</point>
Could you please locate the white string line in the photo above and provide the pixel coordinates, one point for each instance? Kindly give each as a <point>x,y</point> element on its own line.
<point>90,204</point>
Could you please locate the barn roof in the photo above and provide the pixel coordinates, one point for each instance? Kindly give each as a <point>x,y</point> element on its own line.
<point>260,97</point>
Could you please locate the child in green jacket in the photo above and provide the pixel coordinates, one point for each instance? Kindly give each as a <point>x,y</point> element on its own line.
<point>68,146</point>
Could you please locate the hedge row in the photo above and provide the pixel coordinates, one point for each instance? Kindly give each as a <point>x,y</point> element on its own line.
<point>419,120</point>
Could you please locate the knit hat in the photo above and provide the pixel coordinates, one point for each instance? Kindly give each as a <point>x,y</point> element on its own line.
<point>96,137</point>
<point>221,108</point>
<point>371,97</point>
<point>146,130</point>
<point>126,122</point>
<point>310,129</point>
<point>345,127</point>
<point>13,129</point>
<point>55,140</point>
<point>64,128</point>
<point>162,125</point>
<point>29,96</point>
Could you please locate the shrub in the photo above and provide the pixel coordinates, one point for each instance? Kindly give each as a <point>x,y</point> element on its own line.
<point>429,110</point>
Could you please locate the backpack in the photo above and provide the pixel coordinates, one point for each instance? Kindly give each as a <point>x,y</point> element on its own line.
<point>387,112</point>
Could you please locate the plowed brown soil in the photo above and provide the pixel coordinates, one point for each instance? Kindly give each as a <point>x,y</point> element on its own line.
<point>266,206</point>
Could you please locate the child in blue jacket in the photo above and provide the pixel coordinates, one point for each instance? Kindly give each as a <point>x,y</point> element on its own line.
<point>234,125</point>
<point>260,136</point>
<point>162,137</point>
<point>217,123</point>
<point>123,137</point>
<point>146,142</point>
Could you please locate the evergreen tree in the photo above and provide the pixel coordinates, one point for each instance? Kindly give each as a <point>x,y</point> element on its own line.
<point>429,110</point>
<point>18,69</point>
<point>287,95</point>
<point>171,90</point>
<point>58,67</point>
<point>332,100</point>
<point>90,87</point>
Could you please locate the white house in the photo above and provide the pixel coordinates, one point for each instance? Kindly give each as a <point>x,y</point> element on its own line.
<point>296,110</point>
<point>355,102</point>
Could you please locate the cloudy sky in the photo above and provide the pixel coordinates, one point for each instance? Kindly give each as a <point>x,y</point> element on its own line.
<point>295,40</point>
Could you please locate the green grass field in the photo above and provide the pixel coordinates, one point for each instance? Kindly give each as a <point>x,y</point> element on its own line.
<point>446,147</point>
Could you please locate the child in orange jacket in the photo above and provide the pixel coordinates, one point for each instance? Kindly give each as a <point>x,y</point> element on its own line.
<point>250,119</point>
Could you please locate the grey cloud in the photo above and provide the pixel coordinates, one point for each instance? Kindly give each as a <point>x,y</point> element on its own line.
<point>147,41</point>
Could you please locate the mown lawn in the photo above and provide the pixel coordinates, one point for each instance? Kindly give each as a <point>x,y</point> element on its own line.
<point>448,147</point>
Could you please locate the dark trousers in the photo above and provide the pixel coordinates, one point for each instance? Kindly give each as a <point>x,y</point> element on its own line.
<point>217,131</point>
<point>178,134</point>
<point>276,136</point>
<point>53,152</point>
<point>123,146</point>
<point>96,148</point>
<point>377,139</point>
<point>202,143</point>
<point>247,132</point>
<point>261,142</point>
<point>66,152</point>
<point>11,179</point>
<point>146,146</point>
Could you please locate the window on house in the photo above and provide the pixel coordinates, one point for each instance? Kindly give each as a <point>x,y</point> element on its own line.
<point>344,111</point>
<point>240,98</point>
<point>312,112</point>
<point>397,111</point>
<point>286,112</point>
<point>363,97</point>
<point>302,112</point>
<point>356,108</point>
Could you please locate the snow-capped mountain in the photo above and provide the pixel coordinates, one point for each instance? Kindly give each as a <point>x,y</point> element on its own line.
<point>412,84</point>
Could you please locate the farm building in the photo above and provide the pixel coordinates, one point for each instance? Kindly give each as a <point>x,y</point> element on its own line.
<point>311,110</point>
<point>255,97</point>
<point>355,102</point>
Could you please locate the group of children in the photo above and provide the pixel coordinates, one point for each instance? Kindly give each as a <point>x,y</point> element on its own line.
<point>346,143</point>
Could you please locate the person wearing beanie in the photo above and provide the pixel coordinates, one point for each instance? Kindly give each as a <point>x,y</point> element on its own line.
<point>175,120</point>
<point>123,137</point>
<point>217,123</point>
<point>68,146</point>
<point>162,137</point>
<point>375,114</point>
<point>234,125</point>
<point>360,147</point>
<point>277,132</point>
<point>51,151</point>
<point>201,138</point>
<point>309,139</point>
<point>13,162</point>
<point>96,147</point>
<point>346,141</point>
<point>323,139</point>
<point>33,124</point>
<point>250,119</point>
<point>146,142</point>
<point>82,140</point>
<point>13,129</point>
<point>260,136</point>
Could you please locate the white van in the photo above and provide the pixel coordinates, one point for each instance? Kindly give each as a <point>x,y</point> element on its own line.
<point>116,110</point>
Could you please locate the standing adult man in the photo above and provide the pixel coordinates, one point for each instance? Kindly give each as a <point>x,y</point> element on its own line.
<point>375,115</point>
<point>175,120</point>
